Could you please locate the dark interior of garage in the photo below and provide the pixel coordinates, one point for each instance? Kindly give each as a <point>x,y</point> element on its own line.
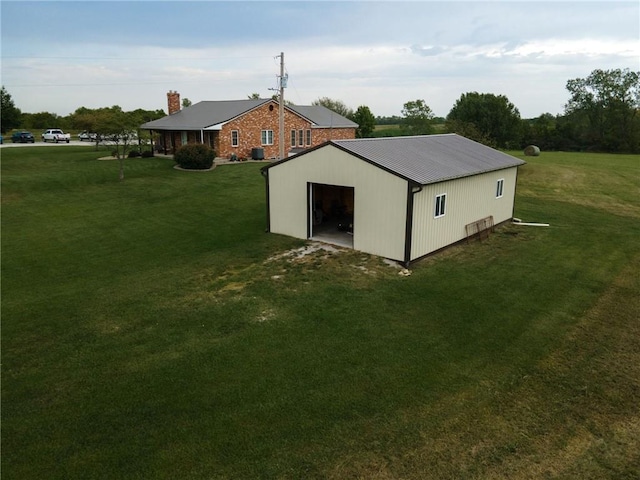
<point>332,214</point>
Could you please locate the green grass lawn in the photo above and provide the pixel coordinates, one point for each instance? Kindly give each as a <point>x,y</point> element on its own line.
<point>152,330</point>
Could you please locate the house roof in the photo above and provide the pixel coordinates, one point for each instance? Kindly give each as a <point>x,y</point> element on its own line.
<point>208,113</point>
<point>321,116</point>
<point>424,159</point>
<point>204,114</point>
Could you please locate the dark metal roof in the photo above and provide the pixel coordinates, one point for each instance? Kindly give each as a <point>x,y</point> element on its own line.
<point>429,158</point>
<point>205,114</point>
<point>424,159</point>
<point>321,116</point>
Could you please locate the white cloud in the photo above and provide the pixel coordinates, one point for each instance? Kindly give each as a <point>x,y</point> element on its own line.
<point>379,54</point>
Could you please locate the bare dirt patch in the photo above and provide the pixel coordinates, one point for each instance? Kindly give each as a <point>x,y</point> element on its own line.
<point>290,269</point>
<point>301,253</point>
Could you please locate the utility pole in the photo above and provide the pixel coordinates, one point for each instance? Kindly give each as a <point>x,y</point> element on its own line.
<point>283,82</point>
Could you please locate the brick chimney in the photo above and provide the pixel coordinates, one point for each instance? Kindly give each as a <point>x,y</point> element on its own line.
<point>173,99</point>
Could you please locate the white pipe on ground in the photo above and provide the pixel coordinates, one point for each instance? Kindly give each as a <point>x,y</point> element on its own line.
<point>528,224</point>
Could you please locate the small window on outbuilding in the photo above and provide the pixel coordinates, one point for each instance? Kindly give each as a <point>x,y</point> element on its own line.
<point>499,188</point>
<point>440,205</point>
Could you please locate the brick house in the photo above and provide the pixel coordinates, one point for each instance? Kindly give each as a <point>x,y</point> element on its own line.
<point>240,126</point>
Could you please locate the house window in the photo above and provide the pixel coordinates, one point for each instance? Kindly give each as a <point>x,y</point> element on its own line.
<point>267,137</point>
<point>499,188</point>
<point>308,137</point>
<point>293,138</point>
<point>234,138</point>
<point>440,205</point>
<point>301,138</point>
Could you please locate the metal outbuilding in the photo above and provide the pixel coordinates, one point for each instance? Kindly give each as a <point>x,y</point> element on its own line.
<point>401,198</point>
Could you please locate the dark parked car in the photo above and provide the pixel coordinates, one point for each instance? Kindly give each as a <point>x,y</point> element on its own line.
<point>22,137</point>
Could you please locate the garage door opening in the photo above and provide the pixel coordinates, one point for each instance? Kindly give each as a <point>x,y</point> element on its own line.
<point>331,214</point>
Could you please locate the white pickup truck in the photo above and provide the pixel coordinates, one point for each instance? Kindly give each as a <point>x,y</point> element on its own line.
<point>55,135</point>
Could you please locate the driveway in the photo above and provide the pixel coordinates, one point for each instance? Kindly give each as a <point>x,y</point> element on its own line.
<point>74,143</point>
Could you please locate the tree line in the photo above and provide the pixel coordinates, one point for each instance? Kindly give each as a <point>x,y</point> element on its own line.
<point>90,119</point>
<point>601,114</point>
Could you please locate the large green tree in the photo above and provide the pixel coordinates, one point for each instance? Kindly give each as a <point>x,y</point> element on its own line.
<point>337,106</point>
<point>494,118</point>
<point>42,121</point>
<point>84,119</point>
<point>10,114</point>
<point>607,103</point>
<point>540,131</point>
<point>417,118</point>
<point>366,121</point>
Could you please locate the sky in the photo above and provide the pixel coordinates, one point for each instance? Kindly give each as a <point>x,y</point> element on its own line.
<point>58,56</point>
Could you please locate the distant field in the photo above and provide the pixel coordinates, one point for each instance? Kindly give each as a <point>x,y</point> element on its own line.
<point>151,329</point>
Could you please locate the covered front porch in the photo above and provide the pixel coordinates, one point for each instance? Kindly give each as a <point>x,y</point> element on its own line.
<point>168,141</point>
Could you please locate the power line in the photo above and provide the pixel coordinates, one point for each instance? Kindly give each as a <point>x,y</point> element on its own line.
<point>111,84</point>
<point>28,57</point>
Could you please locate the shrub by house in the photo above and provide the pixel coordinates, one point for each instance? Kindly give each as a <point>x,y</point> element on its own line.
<point>195,157</point>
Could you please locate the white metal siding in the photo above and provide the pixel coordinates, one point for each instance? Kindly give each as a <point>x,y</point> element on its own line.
<point>379,198</point>
<point>468,199</point>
